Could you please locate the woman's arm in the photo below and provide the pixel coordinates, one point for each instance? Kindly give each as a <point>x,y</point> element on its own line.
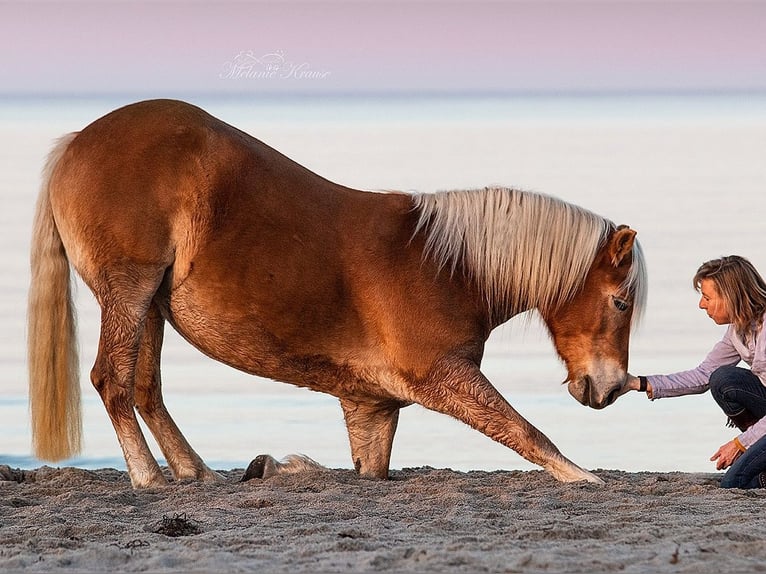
<point>697,380</point>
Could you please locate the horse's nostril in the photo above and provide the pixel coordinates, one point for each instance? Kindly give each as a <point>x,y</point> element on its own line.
<point>587,398</point>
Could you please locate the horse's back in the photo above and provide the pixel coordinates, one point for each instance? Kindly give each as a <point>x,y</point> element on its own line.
<point>156,180</point>
<point>161,157</point>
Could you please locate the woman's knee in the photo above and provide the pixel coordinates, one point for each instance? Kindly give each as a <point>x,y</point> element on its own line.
<point>720,378</point>
<point>744,477</point>
<point>731,480</point>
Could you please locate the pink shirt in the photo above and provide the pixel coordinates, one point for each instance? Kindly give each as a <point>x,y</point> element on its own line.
<point>729,351</point>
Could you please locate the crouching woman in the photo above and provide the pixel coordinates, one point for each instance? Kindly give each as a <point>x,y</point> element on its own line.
<point>733,293</point>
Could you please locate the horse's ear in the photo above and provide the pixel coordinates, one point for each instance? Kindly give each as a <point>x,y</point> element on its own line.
<point>621,244</point>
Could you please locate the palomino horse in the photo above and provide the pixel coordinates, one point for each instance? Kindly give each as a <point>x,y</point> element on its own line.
<point>380,299</point>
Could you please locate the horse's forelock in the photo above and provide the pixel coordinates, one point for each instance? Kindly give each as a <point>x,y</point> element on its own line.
<point>525,250</point>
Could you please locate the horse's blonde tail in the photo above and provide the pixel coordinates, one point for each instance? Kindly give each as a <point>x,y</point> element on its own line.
<point>54,385</point>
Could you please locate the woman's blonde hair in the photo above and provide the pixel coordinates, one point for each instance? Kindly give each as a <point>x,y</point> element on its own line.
<point>740,285</point>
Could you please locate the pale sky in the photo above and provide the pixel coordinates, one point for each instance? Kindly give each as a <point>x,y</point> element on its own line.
<point>380,46</point>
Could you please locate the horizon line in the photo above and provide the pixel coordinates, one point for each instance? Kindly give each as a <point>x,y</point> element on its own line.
<point>378,94</point>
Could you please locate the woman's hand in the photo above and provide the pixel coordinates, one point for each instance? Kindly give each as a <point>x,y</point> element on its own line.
<point>726,455</point>
<point>633,383</point>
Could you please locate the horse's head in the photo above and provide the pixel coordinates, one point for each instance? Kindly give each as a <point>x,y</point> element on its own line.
<point>591,331</point>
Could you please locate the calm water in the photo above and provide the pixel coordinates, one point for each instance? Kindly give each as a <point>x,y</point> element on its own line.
<point>687,172</point>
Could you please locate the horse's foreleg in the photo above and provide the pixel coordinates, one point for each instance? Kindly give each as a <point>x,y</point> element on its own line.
<point>371,428</point>
<point>184,462</point>
<point>113,376</point>
<point>459,389</point>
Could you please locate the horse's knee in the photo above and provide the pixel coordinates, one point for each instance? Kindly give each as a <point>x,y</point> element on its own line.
<point>371,428</point>
<point>374,471</point>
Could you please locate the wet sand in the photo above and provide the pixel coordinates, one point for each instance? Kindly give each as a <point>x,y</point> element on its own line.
<point>422,520</point>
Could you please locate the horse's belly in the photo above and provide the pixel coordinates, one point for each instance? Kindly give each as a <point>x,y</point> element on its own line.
<point>332,359</point>
<point>244,345</point>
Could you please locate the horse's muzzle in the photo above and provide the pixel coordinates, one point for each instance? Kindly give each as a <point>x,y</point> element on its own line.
<point>588,393</point>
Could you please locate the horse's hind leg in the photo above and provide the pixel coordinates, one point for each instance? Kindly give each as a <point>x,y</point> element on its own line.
<point>459,389</point>
<point>113,374</point>
<point>184,462</point>
<point>371,428</point>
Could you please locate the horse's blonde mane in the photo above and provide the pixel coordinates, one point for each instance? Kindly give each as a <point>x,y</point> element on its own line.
<point>525,250</point>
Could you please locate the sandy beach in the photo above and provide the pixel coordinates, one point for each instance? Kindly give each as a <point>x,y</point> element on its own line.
<point>421,520</point>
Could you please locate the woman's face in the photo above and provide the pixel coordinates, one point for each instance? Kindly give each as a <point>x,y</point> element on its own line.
<point>713,303</point>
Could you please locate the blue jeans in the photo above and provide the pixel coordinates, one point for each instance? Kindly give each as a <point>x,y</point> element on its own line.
<point>746,470</point>
<point>737,390</point>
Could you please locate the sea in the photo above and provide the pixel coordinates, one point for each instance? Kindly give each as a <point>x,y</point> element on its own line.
<point>687,171</point>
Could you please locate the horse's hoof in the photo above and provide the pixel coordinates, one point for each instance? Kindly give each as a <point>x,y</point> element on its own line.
<point>257,468</point>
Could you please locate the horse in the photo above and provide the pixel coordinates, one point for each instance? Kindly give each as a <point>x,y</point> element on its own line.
<point>382,300</point>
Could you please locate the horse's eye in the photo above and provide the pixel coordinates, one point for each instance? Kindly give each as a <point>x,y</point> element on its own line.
<point>620,304</point>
